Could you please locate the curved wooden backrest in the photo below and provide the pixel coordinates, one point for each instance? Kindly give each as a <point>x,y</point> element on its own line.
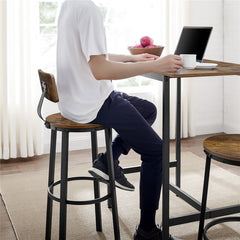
<point>48,80</point>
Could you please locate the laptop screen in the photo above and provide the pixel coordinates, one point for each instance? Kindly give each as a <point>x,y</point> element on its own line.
<point>193,40</point>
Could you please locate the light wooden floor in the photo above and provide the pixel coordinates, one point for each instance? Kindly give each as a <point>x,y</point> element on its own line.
<point>14,166</point>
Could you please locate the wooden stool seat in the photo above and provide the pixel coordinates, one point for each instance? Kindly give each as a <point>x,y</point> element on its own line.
<point>226,146</point>
<point>58,121</point>
<point>223,148</point>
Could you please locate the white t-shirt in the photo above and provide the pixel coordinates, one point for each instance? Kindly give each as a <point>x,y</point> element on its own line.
<point>80,34</point>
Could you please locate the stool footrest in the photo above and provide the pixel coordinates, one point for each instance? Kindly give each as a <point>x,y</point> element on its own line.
<point>218,221</point>
<point>74,202</point>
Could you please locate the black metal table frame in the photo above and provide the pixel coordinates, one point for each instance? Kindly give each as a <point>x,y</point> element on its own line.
<point>167,164</point>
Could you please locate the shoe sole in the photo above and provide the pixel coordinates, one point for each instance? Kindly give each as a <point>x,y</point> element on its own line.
<point>103,177</point>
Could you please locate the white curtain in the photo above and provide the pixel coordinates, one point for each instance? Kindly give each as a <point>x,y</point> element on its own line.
<point>21,130</point>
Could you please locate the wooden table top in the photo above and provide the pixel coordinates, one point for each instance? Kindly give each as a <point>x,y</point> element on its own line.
<point>222,69</point>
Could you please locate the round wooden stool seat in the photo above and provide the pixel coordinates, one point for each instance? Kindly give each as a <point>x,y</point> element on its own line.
<point>58,121</point>
<point>224,148</point>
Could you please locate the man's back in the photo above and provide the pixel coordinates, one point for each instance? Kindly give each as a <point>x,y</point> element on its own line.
<point>80,34</point>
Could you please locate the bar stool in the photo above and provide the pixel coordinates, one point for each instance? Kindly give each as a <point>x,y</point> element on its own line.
<point>226,149</point>
<point>58,123</point>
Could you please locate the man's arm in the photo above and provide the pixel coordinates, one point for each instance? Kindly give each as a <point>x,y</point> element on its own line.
<point>131,58</point>
<point>105,69</point>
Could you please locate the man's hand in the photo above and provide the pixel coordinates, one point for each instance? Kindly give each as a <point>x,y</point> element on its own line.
<point>169,63</point>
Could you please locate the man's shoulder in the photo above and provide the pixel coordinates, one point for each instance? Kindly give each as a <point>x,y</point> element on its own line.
<point>80,3</point>
<point>86,7</point>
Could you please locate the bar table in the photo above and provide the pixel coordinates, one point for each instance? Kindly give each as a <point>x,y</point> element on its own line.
<point>222,69</point>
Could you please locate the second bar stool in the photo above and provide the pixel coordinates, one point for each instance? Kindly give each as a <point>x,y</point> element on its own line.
<point>58,123</point>
<point>223,148</point>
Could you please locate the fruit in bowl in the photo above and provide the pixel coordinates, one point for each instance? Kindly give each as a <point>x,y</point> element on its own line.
<point>146,46</point>
<point>146,41</point>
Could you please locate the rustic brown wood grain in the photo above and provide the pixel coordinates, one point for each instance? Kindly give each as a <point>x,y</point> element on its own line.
<point>58,121</point>
<point>222,69</point>
<point>49,79</point>
<point>225,146</point>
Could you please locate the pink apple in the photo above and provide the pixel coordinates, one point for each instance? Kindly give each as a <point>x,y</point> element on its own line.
<point>145,41</point>
<point>151,46</point>
<point>137,46</point>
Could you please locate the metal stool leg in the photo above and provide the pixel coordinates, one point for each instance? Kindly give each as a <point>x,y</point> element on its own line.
<point>204,197</point>
<point>50,181</point>
<point>109,202</point>
<point>96,183</point>
<point>108,139</point>
<point>63,188</point>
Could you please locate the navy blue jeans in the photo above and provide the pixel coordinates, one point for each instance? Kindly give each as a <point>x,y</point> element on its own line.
<point>132,117</point>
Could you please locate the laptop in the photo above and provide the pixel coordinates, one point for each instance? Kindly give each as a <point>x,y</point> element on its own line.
<point>194,40</point>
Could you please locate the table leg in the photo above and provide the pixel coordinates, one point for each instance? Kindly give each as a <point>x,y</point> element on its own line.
<point>165,164</point>
<point>178,133</point>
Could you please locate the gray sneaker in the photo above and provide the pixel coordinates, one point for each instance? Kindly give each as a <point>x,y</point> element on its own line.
<point>100,171</point>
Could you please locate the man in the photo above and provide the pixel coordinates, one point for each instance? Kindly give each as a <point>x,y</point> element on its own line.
<point>84,73</point>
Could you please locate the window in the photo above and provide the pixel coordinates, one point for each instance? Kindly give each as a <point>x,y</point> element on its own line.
<point>125,22</point>
<point>48,12</point>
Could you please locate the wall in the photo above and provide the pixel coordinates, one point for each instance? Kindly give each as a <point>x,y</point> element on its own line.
<point>231,123</point>
<point>215,103</point>
<point>206,94</point>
